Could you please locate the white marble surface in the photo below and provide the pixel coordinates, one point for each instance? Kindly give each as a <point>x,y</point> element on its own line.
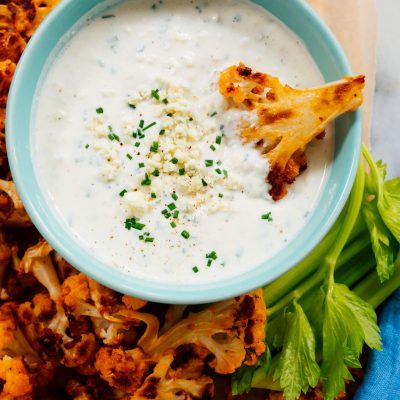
<point>385,136</point>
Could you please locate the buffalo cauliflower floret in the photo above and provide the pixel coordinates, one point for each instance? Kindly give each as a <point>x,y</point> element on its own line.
<point>16,376</point>
<point>133,302</point>
<point>232,332</point>
<point>12,341</point>
<point>288,118</point>
<point>160,385</point>
<point>89,388</point>
<point>80,352</point>
<point>123,369</point>
<point>12,211</point>
<point>84,297</point>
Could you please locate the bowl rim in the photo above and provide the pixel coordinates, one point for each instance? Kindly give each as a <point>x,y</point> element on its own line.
<point>46,221</point>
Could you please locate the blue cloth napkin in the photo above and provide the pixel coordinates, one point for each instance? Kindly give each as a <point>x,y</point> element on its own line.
<point>382,379</point>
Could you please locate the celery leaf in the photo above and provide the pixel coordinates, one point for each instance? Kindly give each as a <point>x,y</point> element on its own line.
<point>243,377</point>
<point>384,244</point>
<point>389,206</point>
<point>348,322</point>
<point>297,369</point>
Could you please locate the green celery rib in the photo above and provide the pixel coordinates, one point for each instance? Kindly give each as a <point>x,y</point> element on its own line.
<point>284,284</point>
<point>280,292</point>
<point>357,246</point>
<point>266,381</point>
<point>373,291</point>
<point>359,227</point>
<point>356,269</point>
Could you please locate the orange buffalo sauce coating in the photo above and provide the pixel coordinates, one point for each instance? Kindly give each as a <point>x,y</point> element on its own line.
<point>18,20</point>
<point>288,118</point>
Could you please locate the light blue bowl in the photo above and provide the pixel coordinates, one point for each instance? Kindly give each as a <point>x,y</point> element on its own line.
<point>333,64</point>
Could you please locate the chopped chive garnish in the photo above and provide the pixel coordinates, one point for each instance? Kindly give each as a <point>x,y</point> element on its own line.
<point>171,206</point>
<point>267,216</point>
<point>218,171</point>
<point>132,106</point>
<point>149,240</point>
<point>132,223</point>
<point>176,214</point>
<point>99,110</point>
<point>128,156</point>
<point>174,196</point>
<point>141,124</point>
<point>204,182</point>
<point>212,255</point>
<point>220,195</point>
<point>155,95</point>
<point>219,162</point>
<point>173,224</point>
<point>185,234</point>
<point>141,237</point>
<point>162,132</point>
<point>153,196</point>
<point>213,148</point>
<point>134,134</point>
<point>123,193</point>
<point>86,146</point>
<point>146,181</point>
<point>113,136</point>
<point>165,101</point>
<point>154,147</point>
<point>166,213</point>
<point>225,173</point>
<point>182,171</point>
<point>213,114</point>
<point>174,160</point>
<point>218,139</point>
<point>195,270</point>
<point>149,126</point>
<point>209,163</point>
<point>137,144</point>
<point>108,16</point>
<point>170,115</point>
<point>156,172</point>
<point>209,262</point>
<point>190,119</point>
<point>141,165</point>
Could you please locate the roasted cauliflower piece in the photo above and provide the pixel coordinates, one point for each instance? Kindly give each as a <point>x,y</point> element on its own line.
<point>13,342</point>
<point>288,118</point>
<point>16,376</point>
<point>11,45</point>
<point>24,16</point>
<point>84,297</point>
<point>161,385</point>
<point>37,262</point>
<point>80,352</point>
<point>7,69</point>
<point>123,369</point>
<point>232,332</point>
<point>12,211</point>
<point>89,388</point>
<point>133,302</point>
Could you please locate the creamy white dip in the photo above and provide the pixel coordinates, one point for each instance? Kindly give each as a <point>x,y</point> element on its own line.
<point>137,152</point>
